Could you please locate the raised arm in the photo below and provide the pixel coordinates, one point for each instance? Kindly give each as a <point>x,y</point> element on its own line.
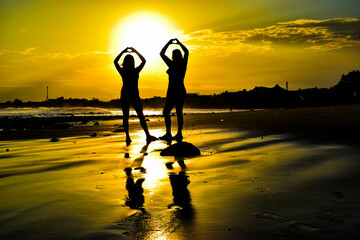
<point>186,51</point>
<point>143,60</point>
<point>162,53</point>
<point>116,60</point>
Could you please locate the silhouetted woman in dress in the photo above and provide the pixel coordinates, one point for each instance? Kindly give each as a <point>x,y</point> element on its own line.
<point>176,92</point>
<point>130,91</point>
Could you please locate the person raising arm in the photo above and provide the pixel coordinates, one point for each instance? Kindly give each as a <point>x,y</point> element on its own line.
<point>176,92</point>
<point>130,91</point>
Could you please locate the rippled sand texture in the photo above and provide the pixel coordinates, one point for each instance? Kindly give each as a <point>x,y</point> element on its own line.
<point>274,186</point>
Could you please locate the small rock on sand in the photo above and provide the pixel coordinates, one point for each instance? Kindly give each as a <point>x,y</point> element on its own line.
<point>54,140</point>
<point>184,149</point>
<point>96,124</point>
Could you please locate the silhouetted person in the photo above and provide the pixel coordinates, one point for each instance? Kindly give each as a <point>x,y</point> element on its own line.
<point>176,92</point>
<point>130,90</point>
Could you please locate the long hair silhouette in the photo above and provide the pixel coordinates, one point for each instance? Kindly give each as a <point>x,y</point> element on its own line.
<point>129,62</point>
<point>177,56</point>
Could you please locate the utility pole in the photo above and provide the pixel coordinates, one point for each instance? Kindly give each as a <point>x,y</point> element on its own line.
<point>47,93</point>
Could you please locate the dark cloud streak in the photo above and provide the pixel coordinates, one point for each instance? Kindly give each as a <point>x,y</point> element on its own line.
<point>317,35</point>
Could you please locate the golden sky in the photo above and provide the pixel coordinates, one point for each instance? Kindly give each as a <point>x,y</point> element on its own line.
<point>70,45</point>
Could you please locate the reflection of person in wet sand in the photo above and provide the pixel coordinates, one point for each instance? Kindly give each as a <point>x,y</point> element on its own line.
<point>179,183</point>
<point>135,200</point>
<point>176,92</point>
<point>130,90</point>
<point>183,209</point>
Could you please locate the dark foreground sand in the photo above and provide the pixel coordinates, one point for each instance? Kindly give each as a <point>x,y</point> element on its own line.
<point>270,174</point>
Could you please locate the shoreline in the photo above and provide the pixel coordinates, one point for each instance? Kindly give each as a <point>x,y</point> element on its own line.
<point>335,123</point>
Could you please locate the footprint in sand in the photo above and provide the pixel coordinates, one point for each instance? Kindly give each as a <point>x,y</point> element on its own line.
<point>328,216</point>
<point>292,228</point>
<point>335,195</point>
<point>272,217</point>
<point>248,179</point>
<point>262,189</point>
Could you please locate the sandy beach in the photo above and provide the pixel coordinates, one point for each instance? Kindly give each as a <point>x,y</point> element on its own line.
<point>262,174</point>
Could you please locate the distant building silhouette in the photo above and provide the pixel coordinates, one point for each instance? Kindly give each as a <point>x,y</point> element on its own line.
<point>346,91</point>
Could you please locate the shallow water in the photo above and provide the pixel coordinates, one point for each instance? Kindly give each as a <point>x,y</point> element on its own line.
<point>92,111</point>
<point>273,186</point>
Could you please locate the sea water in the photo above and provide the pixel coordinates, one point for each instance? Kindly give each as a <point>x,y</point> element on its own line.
<point>91,111</point>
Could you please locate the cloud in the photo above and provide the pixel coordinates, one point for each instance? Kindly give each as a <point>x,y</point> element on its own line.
<point>315,35</point>
<point>27,65</point>
<point>28,51</point>
<point>209,42</point>
<point>32,54</point>
<point>2,52</point>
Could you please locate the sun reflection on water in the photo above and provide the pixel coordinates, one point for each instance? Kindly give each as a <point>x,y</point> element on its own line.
<point>159,192</point>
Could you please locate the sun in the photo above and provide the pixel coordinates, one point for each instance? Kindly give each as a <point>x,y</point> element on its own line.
<point>147,32</point>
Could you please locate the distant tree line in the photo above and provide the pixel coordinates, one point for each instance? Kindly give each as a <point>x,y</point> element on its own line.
<point>346,91</point>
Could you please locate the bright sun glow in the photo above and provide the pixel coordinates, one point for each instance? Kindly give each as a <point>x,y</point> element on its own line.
<point>146,32</point>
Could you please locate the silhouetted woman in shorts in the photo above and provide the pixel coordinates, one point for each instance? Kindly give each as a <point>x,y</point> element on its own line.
<point>176,92</point>
<point>130,91</point>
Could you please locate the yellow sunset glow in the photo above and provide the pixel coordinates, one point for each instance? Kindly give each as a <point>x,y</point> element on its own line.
<point>144,31</point>
<point>70,45</point>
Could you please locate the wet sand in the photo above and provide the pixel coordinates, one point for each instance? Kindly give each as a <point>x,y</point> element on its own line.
<point>270,174</point>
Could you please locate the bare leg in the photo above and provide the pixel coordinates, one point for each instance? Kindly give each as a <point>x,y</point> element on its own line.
<point>167,109</point>
<point>143,123</point>
<point>139,110</point>
<point>125,105</point>
<point>180,120</point>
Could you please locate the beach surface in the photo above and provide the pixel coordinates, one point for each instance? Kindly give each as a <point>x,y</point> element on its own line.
<point>262,174</point>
